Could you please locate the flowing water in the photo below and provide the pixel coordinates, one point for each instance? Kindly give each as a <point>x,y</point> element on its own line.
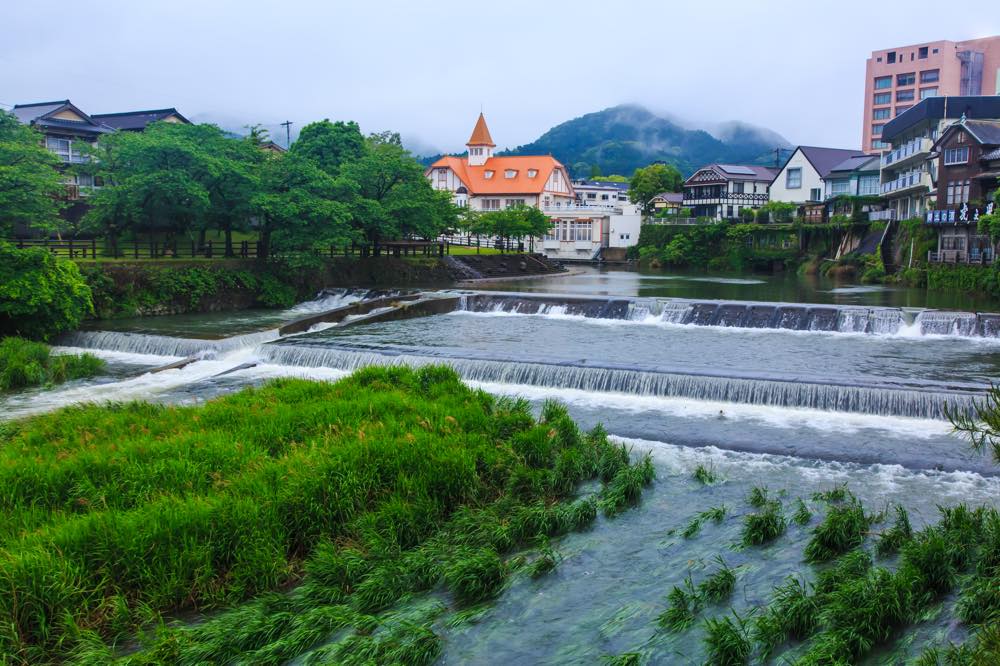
<point>799,394</point>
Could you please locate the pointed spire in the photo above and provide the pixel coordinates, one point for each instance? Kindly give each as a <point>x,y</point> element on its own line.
<point>481,134</point>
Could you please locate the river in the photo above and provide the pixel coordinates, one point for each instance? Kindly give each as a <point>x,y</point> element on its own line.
<point>797,384</point>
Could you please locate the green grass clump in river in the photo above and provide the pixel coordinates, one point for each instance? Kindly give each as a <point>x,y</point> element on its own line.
<point>25,363</point>
<point>853,607</point>
<point>350,496</point>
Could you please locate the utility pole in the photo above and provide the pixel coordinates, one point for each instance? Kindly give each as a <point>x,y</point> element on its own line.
<point>288,133</point>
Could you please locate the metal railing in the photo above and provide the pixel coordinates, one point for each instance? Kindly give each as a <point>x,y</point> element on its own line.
<point>882,215</point>
<point>908,149</point>
<point>912,179</point>
<point>677,220</point>
<point>576,208</point>
<point>975,257</point>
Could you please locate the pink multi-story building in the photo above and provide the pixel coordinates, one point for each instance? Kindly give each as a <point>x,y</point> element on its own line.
<point>898,78</point>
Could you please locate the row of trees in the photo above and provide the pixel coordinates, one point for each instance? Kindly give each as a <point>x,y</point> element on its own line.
<point>334,186</point>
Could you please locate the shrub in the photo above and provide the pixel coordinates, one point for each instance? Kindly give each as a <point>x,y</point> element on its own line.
<point>728,641</point>
<point>843,528</point>
<point>40,294</point>
<point>765,525</point>
<point>25,363</point>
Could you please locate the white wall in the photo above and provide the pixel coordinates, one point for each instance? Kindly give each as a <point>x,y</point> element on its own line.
<point>625,227</point>
<point>810,180</point>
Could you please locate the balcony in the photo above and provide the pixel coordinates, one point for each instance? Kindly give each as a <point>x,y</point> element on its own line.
<point>911,151</point>
<point>576,208</point>
<point>975,256</point>
<point>909,181</point>
<point>694,198</point>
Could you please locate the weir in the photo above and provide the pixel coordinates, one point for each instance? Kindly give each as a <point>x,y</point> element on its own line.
<point>924,401</point>
<point>784,316</point>
<point>163,345</point>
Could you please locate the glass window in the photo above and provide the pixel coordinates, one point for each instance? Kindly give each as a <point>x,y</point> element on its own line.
<point>904,95</point>
<point>793,178</point>
<point>958,192</point>
<point>842,186</point>
<point>487,174</point>
<point>738,188</point>
<point>883,82</point>
<point>928,92</point>
<point>956,155</point>
<point>930,76</point>
<point>901,109</point>
<point>815,194</point>
<point>880,114</point>
<point>877,130</point>
<point>868,185</point>
<point>907,79</point>
<point>883,98</point>
<point>532,173</point>
<point>890,57</point>
<point>879,144</point>
<point>509,173</point>
<point>922,53</point>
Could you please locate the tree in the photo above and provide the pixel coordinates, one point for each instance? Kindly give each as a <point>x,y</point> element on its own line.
<point>330,145</point>
<point>595,171</point>
<point>257,134</point>
<point>300,207</point>
<point>517,222</point>
<point>395,199</point>
<point>40,294</point>
<point>647,182</point>
<point>30,185</point>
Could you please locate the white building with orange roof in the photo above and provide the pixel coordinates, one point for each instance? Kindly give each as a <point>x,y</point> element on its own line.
<point>484,181</point>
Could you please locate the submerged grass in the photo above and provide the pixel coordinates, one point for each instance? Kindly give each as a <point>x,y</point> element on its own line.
<point>844,527</point>
<point>355,495</point>
<point>765,525</point>
<point>727,640</point>
<point>25,363</point>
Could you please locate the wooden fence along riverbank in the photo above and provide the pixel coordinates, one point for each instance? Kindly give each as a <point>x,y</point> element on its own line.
<point>158,249</point>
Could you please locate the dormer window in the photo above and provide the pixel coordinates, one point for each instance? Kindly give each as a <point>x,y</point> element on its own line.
<point>487,174</point>
<point>532,173</point>
<point>510,173</point>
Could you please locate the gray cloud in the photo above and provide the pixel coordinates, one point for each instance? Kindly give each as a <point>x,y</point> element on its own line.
<point>425,69</point>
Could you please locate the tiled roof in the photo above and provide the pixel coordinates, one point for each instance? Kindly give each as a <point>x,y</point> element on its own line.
<point>744,172</point>
<point>43,115</point>
<point>132,120</point>
<point>987,132</point>
<point>825,159</point>
<point>473,177</point>
<point>992,155</point>
<point>481,134</point>
<point>671,197</point>
<point>858,163</point>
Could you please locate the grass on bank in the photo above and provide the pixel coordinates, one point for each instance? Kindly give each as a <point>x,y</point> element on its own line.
<point>24,363</point>
<point>352,495</point>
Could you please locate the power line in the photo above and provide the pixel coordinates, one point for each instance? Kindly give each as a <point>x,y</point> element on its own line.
<point>288,133</point>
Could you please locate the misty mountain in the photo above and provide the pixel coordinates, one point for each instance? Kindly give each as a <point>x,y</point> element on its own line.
<point>622,138</point>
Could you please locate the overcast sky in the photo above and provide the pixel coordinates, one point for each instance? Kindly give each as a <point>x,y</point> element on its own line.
<point>426,68</point>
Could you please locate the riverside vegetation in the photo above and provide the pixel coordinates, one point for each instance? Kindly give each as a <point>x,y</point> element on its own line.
<point>308,509</point>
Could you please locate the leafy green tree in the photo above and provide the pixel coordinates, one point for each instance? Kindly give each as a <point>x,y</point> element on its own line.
<point>300,207</point>
<point>647,182</point>
<point>517,222</point>
<point>990,224</point>
<point>330,145</point>
<point>40,294</point>
<point>257,134</point>
<point>395,199</point>
<point>595,171</point>
<point>30,185</point>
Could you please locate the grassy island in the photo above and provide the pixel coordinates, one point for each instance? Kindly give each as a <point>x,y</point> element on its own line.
<point>300,514</point>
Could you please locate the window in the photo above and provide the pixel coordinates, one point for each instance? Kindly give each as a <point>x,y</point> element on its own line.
<point>901,109</point>
<point>515,203</point>
<point>922,53</point>
<point>890,57</point>
<point>729,211</point>
<point>61,147</point>
<point>578,231</point>
<point>510,173</point>
<point>877,130</point>
<point>958,192</point>
<point>907,79</point>
<point>934,51</point>
<point>928,92</point>
<point>842,186</point>
<point>815,194</point>
<point>883,82</point>
<point>881,114</point>
<point>883,98</point>
<point>879,144</point>
<point>488,174</point>
<point>793,178</point>
<point>956,155</point>
<point>868,185</point>
<point>738,188</point>
<point>591,195</point>
<point>532,173</point>
<point>904,95</point>
<point>442,176</point>
<point>604,197</point>
<point>491,204</point>
<point>930,76</point>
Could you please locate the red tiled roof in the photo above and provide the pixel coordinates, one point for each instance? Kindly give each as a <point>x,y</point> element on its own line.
<point>474,179</point>
<point>481,134</point>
